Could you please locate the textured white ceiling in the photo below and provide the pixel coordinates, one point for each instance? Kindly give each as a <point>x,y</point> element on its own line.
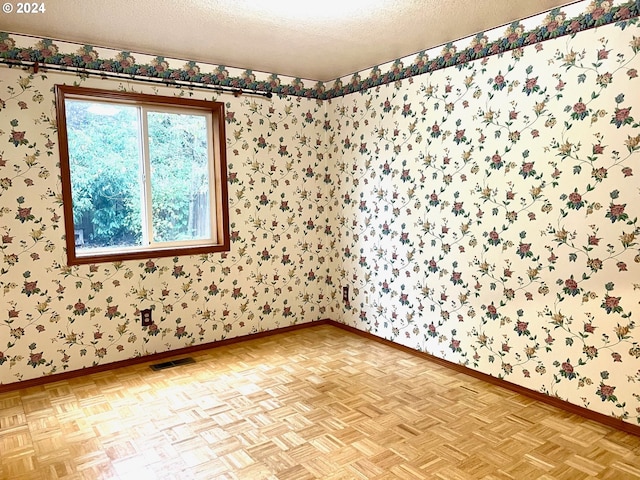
<point>303,38</point>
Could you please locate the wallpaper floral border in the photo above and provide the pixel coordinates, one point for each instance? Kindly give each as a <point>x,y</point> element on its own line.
<point>517,35</point>
<point>483,210</point>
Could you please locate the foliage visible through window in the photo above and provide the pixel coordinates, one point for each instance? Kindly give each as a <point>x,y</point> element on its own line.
<point>143,175</point>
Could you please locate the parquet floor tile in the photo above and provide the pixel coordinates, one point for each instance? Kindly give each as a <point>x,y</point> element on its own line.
<point>317,403</point>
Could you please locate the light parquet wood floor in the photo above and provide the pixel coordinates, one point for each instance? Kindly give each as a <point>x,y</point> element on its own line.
<point>317,403</point>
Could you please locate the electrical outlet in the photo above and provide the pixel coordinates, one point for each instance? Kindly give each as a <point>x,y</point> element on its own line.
<point>145,316</point>
<point>345,294</point>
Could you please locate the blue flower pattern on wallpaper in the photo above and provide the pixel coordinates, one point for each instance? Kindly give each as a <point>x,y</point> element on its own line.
<point>482,205</point>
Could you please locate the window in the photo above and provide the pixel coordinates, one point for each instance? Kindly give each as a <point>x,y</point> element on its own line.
<point>142,175</point>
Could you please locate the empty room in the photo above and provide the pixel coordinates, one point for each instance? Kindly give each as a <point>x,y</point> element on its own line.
<point>382,239</point>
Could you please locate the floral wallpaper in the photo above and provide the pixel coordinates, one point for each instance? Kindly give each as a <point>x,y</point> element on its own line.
<point>56,318</point>
<point>479,200</point>
<point>488,214</point>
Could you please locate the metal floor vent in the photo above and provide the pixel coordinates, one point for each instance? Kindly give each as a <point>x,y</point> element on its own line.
<point>172,363</point>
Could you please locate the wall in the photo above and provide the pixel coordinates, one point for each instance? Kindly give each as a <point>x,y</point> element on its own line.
<point>489,213</point>
<point>483,211</point>
<point>56,318</point>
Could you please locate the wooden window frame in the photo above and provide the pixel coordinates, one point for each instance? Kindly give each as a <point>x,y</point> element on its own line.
<point>220,230</point>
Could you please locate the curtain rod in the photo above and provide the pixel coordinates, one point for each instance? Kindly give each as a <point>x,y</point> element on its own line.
<point>236,92</point>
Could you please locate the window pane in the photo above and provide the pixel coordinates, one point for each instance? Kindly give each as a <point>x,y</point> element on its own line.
<point>104,158</point>
<point>179,158</point>
<point>118,147</point>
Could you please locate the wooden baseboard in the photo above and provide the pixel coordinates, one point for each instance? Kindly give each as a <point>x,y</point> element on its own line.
<point>56,377</point>
<point>541,397</point>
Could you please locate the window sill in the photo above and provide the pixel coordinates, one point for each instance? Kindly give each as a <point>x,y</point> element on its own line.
<point>144,254</point>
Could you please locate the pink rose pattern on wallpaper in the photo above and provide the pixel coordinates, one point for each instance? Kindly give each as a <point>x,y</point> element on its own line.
<point>59,317</point>
<point>485,212</point>
<point>489,215</point>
